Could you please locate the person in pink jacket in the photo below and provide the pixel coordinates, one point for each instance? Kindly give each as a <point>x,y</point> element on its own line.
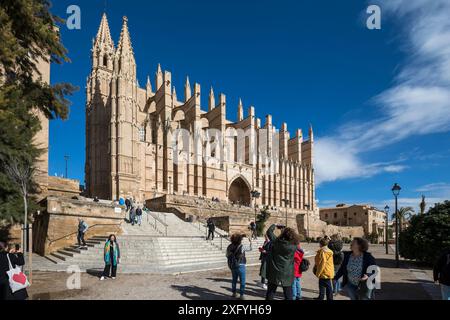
<point>296,286</point>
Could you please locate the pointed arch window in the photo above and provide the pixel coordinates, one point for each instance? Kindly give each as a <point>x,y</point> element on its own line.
<point>105,60</point>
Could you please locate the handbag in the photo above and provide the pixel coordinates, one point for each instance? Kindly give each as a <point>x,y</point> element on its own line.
<point>17,279</point>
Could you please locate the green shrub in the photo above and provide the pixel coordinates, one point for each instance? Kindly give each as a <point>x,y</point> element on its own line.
<point>346,240</point>
<point>427,236</point>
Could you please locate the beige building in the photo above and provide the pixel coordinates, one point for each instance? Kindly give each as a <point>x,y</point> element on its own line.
<point>136,143</point>
<point>370,218</point>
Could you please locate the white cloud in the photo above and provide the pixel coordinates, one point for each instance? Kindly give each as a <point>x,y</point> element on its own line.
<point>439,189</point>
<point>417,104</point>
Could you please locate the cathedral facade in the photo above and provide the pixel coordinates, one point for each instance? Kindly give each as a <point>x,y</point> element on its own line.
<point>146,142</point>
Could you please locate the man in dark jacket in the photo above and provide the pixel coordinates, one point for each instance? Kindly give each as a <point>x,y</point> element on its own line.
<point>253,230</point>
<point>280,262</point>
<point>211,228</point>
<point>128,204</point>
<point>441,273</point>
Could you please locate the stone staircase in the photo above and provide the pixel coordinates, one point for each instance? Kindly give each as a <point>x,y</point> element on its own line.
<point>147,249</point>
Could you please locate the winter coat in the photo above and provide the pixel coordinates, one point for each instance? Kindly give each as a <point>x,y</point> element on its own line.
<point>107,253</point>
<point>263,257</point>
<point>441,270</point>
<point>280,262</point>
<point>324,266</point>
<point>211,226</point>
<point>82,227</point>
<point>368,260</point>
<point>298,258</point>
<point>338,256</point>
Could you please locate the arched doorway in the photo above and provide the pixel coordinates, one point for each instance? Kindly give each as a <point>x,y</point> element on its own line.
<point>239,192</point>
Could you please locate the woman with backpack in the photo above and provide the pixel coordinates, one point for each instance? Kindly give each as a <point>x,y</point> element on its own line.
<point>297,286</point>
<point>280,264</point>
<point>354,270</point>
<point>237,263</point>
<point>111,257</point>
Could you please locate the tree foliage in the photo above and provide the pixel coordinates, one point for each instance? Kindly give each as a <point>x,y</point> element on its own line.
<point>428,235</point>
<point>28,34</point>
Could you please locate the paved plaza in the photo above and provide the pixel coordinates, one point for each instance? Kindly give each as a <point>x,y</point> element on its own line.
<point>407,282</point>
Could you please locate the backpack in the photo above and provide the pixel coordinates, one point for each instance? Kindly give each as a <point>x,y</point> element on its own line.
<point>234,258</point>
<point>338,258</point>
<point>304,265</point>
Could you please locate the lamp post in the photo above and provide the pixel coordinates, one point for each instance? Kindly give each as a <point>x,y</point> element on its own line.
<point>66,158</point>
<point>286,203</point>
<point>255,195</point>
<point>396,191</point>
<point>307,219</point>
<point>386,237</point>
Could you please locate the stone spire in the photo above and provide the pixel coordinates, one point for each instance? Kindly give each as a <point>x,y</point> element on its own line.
<point>174,94</point>
<point>148,87</point>
<point>103,39</point>
<point>311,133</point>
<point>103,46</point>
<point>124,46</point>
<point>212,100</point>
<point>187,90</point>
<point>158,77</point>
<point>124,52</point>
<point>240,116</point>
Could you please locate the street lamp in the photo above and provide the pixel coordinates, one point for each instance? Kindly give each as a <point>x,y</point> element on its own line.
<point>307,206</point>
<point>66,158</point>
<point>386,237</point>
<point>396,191</point>
<point>255,195</point>
<point>286,203</point>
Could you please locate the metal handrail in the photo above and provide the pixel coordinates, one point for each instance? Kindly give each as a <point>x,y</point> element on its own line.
<point>220,235</point>
<point>76,232</point>
<point>155,225</point>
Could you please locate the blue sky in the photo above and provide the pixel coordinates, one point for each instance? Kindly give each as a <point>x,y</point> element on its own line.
<point>379,100</point>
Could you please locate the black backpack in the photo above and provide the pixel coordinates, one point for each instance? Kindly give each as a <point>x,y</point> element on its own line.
<point>234,258</point>
<point>338,258</point>
<point>304,265</point>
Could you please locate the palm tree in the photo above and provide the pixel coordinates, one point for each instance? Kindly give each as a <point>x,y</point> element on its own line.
<point>404,214</point>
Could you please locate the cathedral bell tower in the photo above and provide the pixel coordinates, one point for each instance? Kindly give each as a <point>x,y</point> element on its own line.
<point>98,113</point>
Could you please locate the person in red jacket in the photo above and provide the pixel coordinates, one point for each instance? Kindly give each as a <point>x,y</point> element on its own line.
<point>297,286</point>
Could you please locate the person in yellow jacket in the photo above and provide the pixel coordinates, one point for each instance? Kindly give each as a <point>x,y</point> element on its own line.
<point>324,270</point>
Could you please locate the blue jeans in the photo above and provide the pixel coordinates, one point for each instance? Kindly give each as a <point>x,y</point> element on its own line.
<point>238,273</point>
<point>336,286</point>
<point>297,289</point>
<point>445,290</point>
<point>139,219</point>
<point>354,293</point>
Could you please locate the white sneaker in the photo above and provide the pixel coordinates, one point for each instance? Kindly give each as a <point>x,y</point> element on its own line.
<point>264,286</point>
<point>114,278</point>
<point>102,278</point>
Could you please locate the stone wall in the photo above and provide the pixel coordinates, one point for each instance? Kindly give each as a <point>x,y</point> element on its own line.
<point>63,187</point>
<point>56,227</point>
<point>318,228</point>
